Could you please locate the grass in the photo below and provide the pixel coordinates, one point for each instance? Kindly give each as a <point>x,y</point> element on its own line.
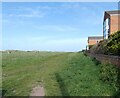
<point>61,74</point>
<point>0,73</point>
<point>81,78</point>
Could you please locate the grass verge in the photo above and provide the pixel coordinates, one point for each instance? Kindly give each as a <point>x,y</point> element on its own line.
<point>61,74</point>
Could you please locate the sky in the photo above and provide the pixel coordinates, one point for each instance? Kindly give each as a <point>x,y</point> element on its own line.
<point>51,26</point>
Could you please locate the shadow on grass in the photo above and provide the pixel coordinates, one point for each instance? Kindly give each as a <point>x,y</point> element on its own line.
<point>62,86</point>
<point>3,92</point>
<point>96,62</point>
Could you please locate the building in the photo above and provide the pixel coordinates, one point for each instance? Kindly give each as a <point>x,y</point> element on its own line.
<point>92,40</point>
<point>111,23</point>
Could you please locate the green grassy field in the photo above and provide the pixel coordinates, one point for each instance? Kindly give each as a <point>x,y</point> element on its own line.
<point>60,73</point>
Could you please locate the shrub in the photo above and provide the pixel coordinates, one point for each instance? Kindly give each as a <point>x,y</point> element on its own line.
<point>90,46</point>
<point>109,73</point>
<point>108,46</point>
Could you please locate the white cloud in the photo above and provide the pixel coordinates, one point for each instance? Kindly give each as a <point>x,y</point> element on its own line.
<point>36,11</point>
<point>59,28</point>
<point>47,44</point>
<point>28,12</point>
<point>70,5</point>
<point>69,44</point>
<point>68,41</point>
<point>32,14</point>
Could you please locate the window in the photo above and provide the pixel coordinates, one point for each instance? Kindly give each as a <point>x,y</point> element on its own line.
<point>106,28</point>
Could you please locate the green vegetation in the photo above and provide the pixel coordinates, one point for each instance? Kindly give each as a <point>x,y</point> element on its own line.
<point>113,44</point>
<point>90,46</point>
<point>61,74</point>
<point>0,73</point>
<point>111,74</point>
<point>24,70</point>
<point>109,46</point>
<point>82,78</point>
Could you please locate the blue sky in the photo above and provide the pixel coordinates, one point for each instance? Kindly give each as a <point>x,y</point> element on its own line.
<point>51,26</point>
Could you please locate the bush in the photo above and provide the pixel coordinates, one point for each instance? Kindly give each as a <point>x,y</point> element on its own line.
<point>109,73</point>
<point>108,46</point>
<point>90,46</point>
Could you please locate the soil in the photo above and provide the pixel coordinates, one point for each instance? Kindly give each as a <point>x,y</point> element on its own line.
<point>38,91</point>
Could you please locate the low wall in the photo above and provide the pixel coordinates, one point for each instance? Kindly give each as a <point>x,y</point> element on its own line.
<point>107,58</point>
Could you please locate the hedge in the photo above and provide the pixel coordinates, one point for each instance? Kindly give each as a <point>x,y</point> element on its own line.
<point>110,46</point>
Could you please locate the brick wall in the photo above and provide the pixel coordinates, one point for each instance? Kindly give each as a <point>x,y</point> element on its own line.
<point>115,60</point>
<point>114,23</point>
<point>92,42</point>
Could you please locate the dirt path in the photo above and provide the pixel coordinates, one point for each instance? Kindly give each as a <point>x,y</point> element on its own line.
<point>38,91</point>
<point>49,67</point>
